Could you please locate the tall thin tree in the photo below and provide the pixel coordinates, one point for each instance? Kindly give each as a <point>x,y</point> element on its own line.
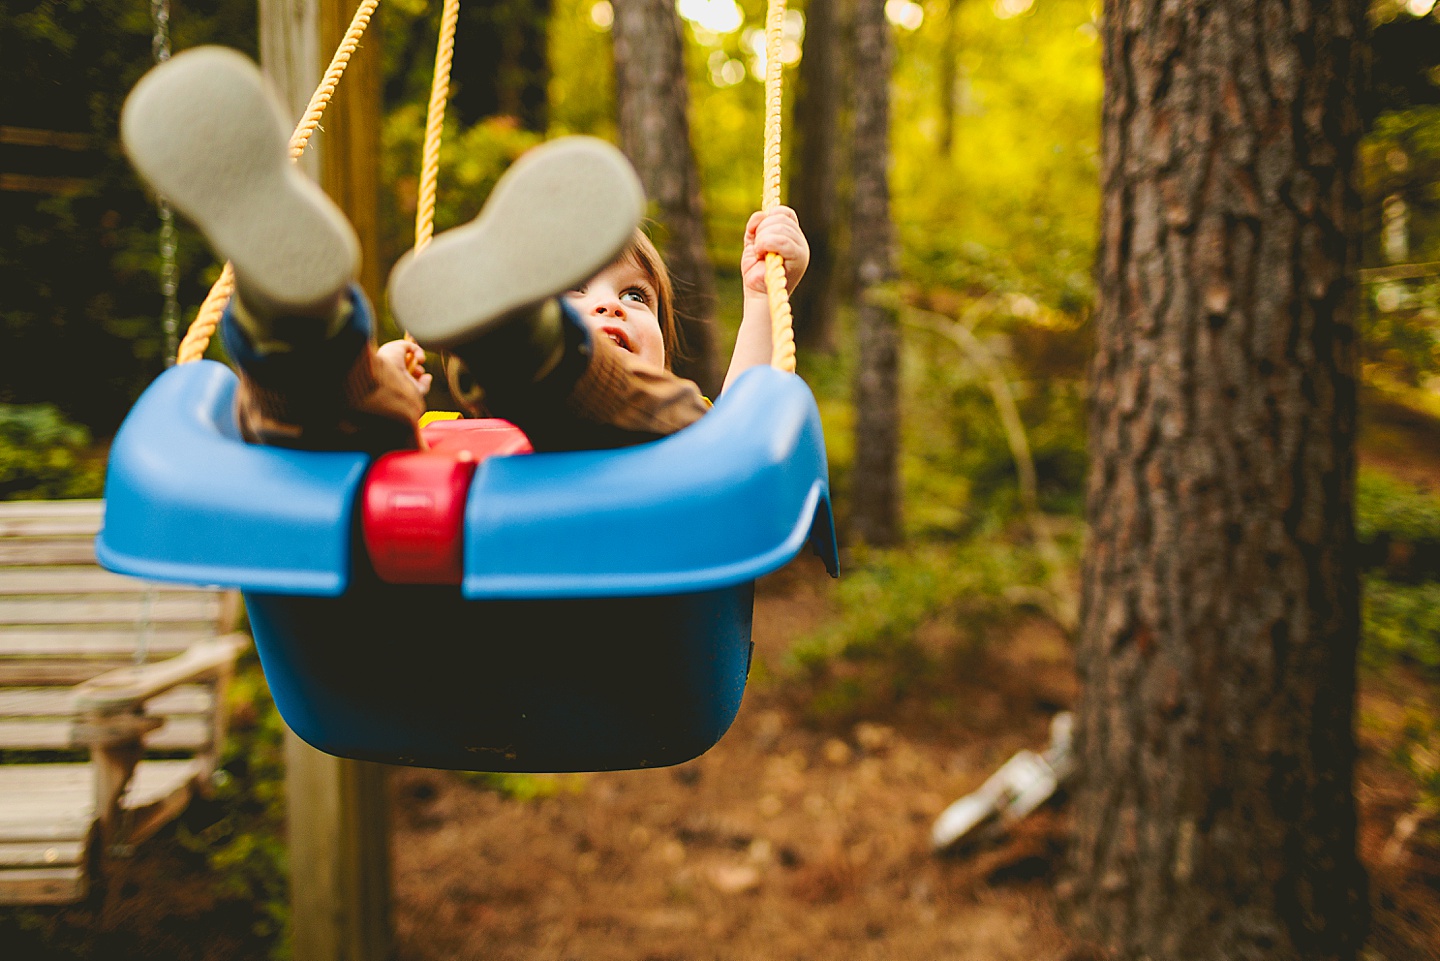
<point>814,168</point>
<point>1215,816</point>
<point>875,488</point>
<point>653,96</point>
<point>949,79</point>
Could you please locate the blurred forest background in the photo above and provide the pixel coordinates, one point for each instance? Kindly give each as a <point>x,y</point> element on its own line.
<point>994,191</point>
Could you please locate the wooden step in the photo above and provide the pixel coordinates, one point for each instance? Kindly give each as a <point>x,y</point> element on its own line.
<point>37,672</point>
<point>39,702</point>
<point>38,553</point>
<point>80,580</point>
<point>40,854</point>
<point>64,885</point>
<point>96,641</point>
<point>136,610</point>
<point>178,734</point>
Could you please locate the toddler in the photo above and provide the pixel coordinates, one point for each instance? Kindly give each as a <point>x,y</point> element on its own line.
<point>555,309</point>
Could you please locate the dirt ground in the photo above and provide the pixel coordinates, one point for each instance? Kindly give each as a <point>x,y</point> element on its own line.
<point>800,837</point>
<point>804,838</point>
<point>797,837</point>
<point>789,840</point>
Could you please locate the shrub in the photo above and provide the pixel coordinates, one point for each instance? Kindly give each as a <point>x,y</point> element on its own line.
<point>240,831</point>
<point>953,594</point>
<point>1386,507</point>
<point>1402,621</point>
<point>43,455</point>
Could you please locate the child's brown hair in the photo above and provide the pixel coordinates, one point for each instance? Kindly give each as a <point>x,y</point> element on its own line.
<point>642,253</point>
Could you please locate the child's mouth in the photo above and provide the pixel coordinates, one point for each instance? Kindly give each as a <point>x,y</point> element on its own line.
<point>618,336</point>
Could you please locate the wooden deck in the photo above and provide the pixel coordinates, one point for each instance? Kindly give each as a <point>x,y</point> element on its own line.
<point>93,662</point>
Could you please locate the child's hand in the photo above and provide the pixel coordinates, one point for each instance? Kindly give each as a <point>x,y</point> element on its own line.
<point>773,231</point>
<point>409,357</point>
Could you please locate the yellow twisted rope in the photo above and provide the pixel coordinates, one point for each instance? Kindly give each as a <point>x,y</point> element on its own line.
<point>197,338</point>
<point>434,125</point>
<point>782,335</point>
<point>202,328</point>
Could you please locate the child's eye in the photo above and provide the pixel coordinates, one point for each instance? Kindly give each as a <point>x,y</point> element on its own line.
<point>637,294</point>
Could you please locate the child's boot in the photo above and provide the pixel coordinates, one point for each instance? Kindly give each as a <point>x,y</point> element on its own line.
<point>206,132</point>
<point>489,290</point>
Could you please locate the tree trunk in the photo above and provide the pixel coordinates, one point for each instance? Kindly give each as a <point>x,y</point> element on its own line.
<point>501,62</point>
<point>875,488</point>
<point>1215,816</point>
<point>653,96</point>
<point>349,142</point>
<point>813,188</point>
<point>949,78</point>
<point>336,811</point>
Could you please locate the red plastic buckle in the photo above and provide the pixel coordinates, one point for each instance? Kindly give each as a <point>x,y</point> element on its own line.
<point>412,514</point>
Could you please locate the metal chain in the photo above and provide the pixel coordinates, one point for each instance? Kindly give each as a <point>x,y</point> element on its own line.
<point>169,267</point>
<point>169,283</point>
<point>160,18</point>
<point>169,276</point>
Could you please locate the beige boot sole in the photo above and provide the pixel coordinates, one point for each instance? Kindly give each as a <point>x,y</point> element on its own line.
<point>559,215</point>
<point>206,132</point>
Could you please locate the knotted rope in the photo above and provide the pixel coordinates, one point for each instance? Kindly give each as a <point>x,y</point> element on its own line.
<point>782,334</point>
<point>434,125</point>
<point>782,357</point>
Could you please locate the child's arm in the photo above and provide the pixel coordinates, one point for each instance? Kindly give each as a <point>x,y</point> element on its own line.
<point>777,230</point>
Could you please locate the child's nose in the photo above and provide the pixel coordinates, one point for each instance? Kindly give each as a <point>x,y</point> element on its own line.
<point>609,307</point>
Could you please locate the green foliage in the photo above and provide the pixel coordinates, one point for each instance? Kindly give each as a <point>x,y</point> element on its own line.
<point>1400,188</point>
<point>1401,157</point>
<point>1385,506</point>
<point>582,81</point>
<point>241,832</point>
<point>904,614</point>
<point>1012,205</point>
<point>1402,622</point>
<point>43,455</point>
<point>728,127</point>
<point>471,160</point>
<point>1417,755</point>
<point>526,787</point>
<point>961,471</point>
<point>78,254</point>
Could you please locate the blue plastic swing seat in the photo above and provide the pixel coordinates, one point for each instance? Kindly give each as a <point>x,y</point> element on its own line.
<point>603,620</point>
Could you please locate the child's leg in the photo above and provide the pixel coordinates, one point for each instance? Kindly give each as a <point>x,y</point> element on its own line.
<point>598,396</point>
<point>331,393</point>
<point>206,132</point>
<point>490,292</point>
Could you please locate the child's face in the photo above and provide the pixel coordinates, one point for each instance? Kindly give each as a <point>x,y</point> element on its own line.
<point>620,303</point>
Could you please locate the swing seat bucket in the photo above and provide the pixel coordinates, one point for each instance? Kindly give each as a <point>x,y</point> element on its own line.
<point>602,619</point>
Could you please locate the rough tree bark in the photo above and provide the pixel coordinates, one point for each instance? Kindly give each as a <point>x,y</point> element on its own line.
<point>813,186</point>
<point>653,96</point>
<point>875,489</point>
<point>1215,816</point>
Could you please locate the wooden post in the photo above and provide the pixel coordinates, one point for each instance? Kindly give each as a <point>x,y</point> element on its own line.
<point>290,55</point>
<point>338,825</point>
<point>339,856</point>
<point>350,155</point>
